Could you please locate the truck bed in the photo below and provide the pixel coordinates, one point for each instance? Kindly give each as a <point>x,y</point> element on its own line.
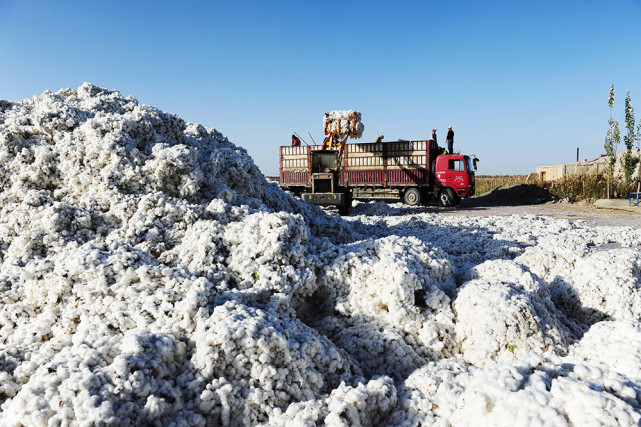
<point>383,164</point>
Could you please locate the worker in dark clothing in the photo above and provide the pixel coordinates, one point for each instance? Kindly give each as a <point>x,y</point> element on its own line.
<point>295,141</point>
<point>434,135</point>
<point>450,140</point>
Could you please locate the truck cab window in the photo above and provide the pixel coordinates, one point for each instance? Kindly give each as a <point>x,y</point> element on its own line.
<point>456,165</point>
<point>470,164</point>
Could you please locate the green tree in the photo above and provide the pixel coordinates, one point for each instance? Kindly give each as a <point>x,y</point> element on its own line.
<point>612,138</point>
<point>630,160</point>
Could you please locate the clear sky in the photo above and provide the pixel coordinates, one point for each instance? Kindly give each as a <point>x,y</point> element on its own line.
<point>523,83</point>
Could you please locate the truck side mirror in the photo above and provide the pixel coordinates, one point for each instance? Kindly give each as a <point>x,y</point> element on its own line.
<point>475,161</point>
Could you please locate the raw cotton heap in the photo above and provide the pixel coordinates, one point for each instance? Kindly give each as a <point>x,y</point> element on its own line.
<point>149,274</point>
<point>541,345</point>
<point>344,123</point>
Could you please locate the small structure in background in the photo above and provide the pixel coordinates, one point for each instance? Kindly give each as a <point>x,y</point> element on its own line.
<point>552,173</point>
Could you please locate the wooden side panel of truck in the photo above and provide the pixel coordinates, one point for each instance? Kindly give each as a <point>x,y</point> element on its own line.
<point>383,164</point>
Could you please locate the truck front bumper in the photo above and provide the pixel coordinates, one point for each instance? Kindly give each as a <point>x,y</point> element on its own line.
<point>324,199</point>
<point>465,192</point>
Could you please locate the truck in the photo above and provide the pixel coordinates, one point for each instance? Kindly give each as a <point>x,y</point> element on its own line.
<point>413,171</point>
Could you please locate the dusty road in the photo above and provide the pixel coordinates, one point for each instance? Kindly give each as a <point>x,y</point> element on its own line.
<point>575,211</point>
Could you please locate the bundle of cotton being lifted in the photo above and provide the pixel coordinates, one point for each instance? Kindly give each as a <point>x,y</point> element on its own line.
<point>344,123</point>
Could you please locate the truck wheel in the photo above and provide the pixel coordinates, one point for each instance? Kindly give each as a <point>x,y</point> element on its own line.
<point>412,197</point>
<point>446,197</point>
<point>425,197</point>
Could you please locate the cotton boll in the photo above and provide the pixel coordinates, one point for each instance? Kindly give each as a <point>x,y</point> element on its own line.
<point>300,413</point>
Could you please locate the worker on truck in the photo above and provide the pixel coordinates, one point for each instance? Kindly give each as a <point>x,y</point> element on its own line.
<point>295,141</point>
<point>450,140</point>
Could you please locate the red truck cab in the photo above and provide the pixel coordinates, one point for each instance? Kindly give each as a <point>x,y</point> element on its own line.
<point>454,178</point>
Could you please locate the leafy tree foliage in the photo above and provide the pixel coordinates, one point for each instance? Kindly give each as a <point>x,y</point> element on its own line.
<point>630,160</point>
<point>612,138</point>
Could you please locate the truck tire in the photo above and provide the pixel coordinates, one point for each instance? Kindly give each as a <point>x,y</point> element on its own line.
<point>425,198</point>
<point>344,210</point>
<point>446,197</point>
<point>412,197</point>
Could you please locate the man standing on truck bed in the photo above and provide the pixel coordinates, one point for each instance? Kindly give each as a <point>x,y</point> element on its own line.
<point>450,140</point>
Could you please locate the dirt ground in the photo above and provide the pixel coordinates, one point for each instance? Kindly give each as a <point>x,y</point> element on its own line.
<point>576,211</point>
<point>593,216</point>
<point>530,199</point>
<point>523,198</point>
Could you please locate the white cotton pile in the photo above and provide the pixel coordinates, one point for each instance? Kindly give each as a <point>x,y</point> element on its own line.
<point>602,285</point>
<point>505,313</point>
<point>344,123</point>
<point>372,208</point>
<point>531,391</point>
<point>150,275</point>
<point>366,404</point>
<point>118,219</point>
<point>467,244</point>
<point>263,361</point>
<point>391,295</point>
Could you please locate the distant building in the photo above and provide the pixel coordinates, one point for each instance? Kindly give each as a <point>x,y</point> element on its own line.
<point>557,172</point>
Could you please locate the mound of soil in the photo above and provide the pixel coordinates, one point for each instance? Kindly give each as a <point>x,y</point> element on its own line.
<point>515,194</point>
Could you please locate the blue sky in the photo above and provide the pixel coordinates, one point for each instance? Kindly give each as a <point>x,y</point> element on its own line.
<point>522,83</point>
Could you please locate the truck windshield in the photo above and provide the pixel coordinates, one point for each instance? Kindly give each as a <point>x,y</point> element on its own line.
<point>469,164</point>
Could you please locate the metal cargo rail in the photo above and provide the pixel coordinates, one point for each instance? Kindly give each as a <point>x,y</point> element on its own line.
<point>382,164</point>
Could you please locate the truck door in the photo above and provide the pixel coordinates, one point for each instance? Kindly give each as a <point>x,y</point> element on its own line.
<point>456,174</point>
<point>451,173</point>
